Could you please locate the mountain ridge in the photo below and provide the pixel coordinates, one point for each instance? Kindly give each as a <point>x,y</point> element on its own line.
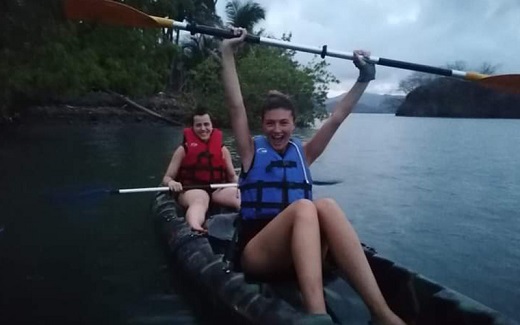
<point>370,103</point>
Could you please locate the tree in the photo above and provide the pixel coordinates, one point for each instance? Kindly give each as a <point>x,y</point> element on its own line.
<point>44,57</point>
<point>262,69</point>
<point>198,48</point>
<point>198,12</point>
<point>246,15</point>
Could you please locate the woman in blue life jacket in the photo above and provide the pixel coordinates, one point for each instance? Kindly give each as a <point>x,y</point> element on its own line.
<point>201,159</point>
<point>282,228</point>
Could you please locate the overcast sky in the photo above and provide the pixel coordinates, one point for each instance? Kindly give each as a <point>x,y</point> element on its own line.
<point>431,32</point>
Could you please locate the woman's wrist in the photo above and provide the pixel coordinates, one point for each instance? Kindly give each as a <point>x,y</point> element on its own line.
<point>227,51</point>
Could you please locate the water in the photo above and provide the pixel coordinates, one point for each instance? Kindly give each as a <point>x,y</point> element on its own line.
<point>440,196</point>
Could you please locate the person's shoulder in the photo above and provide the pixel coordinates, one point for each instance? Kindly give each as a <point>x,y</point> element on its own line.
<point>259,139</point>
<point>181,148</point>
<point>297,140</point>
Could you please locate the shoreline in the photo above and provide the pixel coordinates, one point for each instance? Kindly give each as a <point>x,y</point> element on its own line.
<point>102,108</point>
<point>91,115</point>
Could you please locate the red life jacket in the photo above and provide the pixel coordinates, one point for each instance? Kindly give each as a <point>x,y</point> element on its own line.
<point>203,163</point>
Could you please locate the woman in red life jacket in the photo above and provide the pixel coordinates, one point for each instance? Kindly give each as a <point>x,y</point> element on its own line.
<point>202,159</point>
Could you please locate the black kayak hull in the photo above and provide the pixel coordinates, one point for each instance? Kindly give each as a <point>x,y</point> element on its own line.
<point>199,260</point>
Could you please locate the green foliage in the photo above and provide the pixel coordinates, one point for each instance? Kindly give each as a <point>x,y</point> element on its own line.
<point>244,14</point>
<point>44,58</point>
<point>262,69</point>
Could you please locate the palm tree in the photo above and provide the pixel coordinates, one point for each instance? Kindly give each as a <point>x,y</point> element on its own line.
<point>244,14</point>
<point>199,47</point>
<point>194,49</point>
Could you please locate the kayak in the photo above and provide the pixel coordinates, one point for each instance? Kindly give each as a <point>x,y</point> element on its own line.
<point>203,261</point>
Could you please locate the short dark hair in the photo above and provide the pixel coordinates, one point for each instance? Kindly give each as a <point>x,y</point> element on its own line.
<point>199,111</point>
<point>276,99</point>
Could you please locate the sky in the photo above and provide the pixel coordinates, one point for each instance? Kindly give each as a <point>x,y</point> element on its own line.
<point>430,32</point>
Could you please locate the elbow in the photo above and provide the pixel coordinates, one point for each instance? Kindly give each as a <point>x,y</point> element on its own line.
<point>337,119</point>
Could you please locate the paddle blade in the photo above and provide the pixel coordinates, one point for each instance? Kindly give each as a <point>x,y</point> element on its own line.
<point>112,13</point>
<point>325,183</point>
<point>77,193</point>
<point>507,83</point>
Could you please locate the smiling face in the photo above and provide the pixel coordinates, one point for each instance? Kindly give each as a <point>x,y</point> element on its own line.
<point>278,126</point>
<point>202,126</point>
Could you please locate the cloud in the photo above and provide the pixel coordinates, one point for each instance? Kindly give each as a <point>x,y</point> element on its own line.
<point>430,32</point>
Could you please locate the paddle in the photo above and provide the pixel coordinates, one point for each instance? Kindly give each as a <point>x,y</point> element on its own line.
<point>166,189</point>
<point>190,187</point>
<point>96,193</point>
<point>115,13</point>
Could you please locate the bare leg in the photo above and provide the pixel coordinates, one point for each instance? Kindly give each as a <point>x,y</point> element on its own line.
<point>347,251</point>
<point>229,197</point>
<point>291,239</point>
<point>196,203</point>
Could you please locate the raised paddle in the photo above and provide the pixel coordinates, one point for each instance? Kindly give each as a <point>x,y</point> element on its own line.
<point>116,13</point>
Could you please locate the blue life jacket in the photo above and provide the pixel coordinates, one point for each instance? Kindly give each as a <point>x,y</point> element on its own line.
<point>274,180</point>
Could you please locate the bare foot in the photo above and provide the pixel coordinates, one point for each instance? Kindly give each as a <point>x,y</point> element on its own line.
<point>198,229</point>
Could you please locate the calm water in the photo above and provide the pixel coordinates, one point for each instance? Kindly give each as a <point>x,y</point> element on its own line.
<point>440,196</point>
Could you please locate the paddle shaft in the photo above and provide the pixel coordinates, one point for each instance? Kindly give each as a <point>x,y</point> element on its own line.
<point>322,51</point>
<point>166,189</point>
<point>116,13</point>
<point>203,187</point>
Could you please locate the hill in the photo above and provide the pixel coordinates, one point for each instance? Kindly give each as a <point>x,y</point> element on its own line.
<point>448,97</point>
<point>370,103</point>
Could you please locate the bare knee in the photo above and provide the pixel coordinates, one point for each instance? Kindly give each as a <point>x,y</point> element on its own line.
<point>328,207</point>
<point>305,212</point>
<point>330,214</point>
<point>326,204</point>
<point>304,204</point>
<point>194,198</point>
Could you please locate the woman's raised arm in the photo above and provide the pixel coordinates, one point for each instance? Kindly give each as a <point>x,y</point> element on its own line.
<point>234,100</point>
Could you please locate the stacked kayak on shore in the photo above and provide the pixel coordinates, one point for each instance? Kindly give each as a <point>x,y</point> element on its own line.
<point>202,262</point>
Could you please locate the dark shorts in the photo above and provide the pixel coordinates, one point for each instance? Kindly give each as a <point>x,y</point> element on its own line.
<point>210,191</point>
<point>207,190</point>
<point>247,230</point>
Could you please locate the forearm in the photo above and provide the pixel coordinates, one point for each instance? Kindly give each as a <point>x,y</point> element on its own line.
<point>348,102</point>
<point>230,80</point>
<point>314,148</point>
<point>367,72</point>
<point>173,167</point>
<point>170,174</point>
<point>231,175</point>
<point>235,103</point>
<point>233,178</point>
<point>166,179</point>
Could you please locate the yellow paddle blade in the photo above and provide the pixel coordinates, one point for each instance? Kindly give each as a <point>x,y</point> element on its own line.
<point>509,83</point>
<point>111,13</point>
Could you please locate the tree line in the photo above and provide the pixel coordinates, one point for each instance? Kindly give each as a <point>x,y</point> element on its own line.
<point>44,57</point>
